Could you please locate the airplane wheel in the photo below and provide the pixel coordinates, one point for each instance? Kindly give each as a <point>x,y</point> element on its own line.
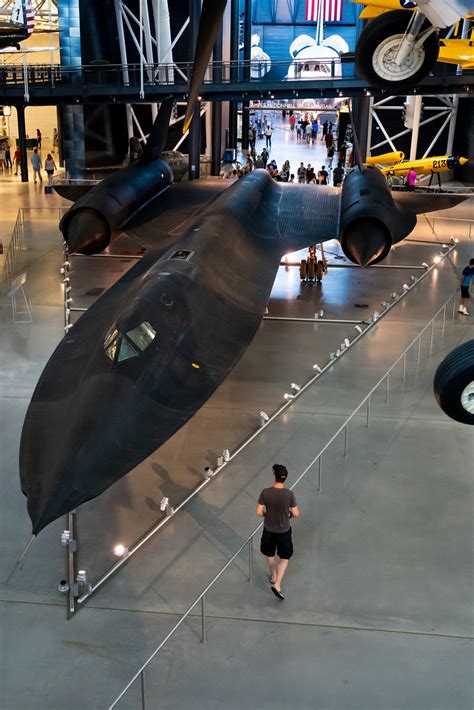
<point>454,384</point>
<point>320,270</point>
<point>377,47</point>
<point>311,269</point>
<point>303,269</point>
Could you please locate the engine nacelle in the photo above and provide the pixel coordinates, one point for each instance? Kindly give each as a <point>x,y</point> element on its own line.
<point>367,216</point>
<point>92,221</point>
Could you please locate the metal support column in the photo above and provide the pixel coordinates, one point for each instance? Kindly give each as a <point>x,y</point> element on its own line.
<point>195,127</point>
<point>22,143</point>
<point>246,71</point>
<point>234,72</point>
<point>195,145</point>
<point>416,127</point>
<point>245,124</point>
<point>216,147</point>
<point>361,112</point>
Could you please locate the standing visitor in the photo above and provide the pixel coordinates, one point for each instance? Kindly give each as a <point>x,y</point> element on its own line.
<point>410,180</point>
<point>323,176</point>
<point>268,135</point>
<point>50,167</point>
<point>301,173</point>
<point>17,159</point>
<point>38,138</point>
<point>338,175</point>
<point>330,156</point>
<point>8,155</point>
<point>466,280</point>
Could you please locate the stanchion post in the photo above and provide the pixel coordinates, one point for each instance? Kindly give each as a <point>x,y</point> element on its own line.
<point>444,319</point>
<point>387,388</point>
<point>404,371</point>
<point>320,468</point>
<point>203,619</point>
<point>418,357</point>
<point>345,440</point>
<point>250,559</point>
<point>142,685</point>
<point>432,335</point>
<point>368,414</point>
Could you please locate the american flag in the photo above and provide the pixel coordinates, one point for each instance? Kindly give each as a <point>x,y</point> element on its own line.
<point>30,16</point>
<point>332,10</point>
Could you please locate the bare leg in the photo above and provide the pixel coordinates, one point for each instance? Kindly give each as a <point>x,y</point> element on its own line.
<point>271,562</point>
<point>280,572</point>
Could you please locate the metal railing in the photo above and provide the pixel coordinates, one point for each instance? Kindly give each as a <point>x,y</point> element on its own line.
<point>316,461</point>
<point>17,242</point>
<point>55,76</point>
<point>16,245</point>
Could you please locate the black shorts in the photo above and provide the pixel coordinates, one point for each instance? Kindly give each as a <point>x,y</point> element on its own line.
<point>279,542</point>
<point>465,292</point>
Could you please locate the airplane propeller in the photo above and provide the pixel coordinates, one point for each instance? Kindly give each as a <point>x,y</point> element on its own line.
<point>211,17</point>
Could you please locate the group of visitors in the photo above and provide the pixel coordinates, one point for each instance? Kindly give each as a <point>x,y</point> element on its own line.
<point>304,174</point>
<point>37,165</point>
<point>49,166</point>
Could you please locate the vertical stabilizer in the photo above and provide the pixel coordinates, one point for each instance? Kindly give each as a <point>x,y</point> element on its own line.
<point>17,17</point>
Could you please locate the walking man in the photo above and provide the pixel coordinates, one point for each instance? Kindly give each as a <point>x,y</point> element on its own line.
<point>277,505</point>
<point>268,135</point>
<point>37,164</point>
<point>466,279</point>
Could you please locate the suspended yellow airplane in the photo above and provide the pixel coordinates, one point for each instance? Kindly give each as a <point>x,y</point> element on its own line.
<point>395,164</point>
<point>379,42</point>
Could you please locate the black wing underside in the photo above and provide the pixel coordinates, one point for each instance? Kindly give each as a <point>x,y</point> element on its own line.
<point>170,214</point>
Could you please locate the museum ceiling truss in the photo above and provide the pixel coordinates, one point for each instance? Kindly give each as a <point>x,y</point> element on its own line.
<point>145,39</point>
<point>416,112</point>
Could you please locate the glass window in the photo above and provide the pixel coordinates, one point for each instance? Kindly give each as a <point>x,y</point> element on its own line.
<point>142,335</point>
<point>126,351</point>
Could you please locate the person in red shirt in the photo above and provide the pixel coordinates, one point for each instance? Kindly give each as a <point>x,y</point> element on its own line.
<point>17,158</point>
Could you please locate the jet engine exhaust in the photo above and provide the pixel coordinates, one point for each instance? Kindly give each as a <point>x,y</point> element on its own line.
<point>86,232</point>
<point>366,241</point>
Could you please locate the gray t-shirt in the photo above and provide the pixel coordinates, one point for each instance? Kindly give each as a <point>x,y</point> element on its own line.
<point>277,502</point>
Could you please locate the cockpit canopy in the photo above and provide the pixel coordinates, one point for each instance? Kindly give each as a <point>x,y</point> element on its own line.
<point>123,346</point>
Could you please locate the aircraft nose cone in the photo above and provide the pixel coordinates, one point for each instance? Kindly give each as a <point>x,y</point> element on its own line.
<point>463,161</point>
<point>81,434</point>
<point>86,232</point>
<point>364,242</point>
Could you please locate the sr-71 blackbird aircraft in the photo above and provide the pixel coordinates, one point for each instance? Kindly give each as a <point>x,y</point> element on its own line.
<point>149,353</point>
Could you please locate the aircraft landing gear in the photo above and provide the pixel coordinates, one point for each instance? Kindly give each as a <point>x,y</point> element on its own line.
<point>313,268</point>
<point>397,49</point>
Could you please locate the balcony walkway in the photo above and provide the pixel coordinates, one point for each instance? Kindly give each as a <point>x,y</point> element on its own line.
<point>224,81</point>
